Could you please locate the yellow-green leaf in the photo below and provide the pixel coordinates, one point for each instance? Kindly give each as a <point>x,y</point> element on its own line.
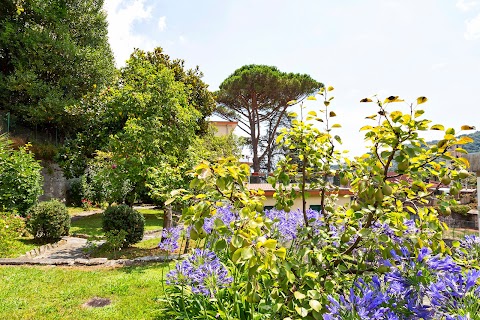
<point>336,125</point>
<point>312,113</point>
<point>330,88</point>
<point>316,305</point>
<point>366,128</point>
<point>392,99</point>
<point>311,274</point>
<point>418,113</point>
<point>421,100</point>
<point>437,127</point>
<point>169,201</point>
<point>291,102</point>
<point>293,114</point>
<point>332,114</point>
<point>464,140</point>
<point>299,296</point>
<point>311,98</point>
<point>366,100</point>
<point>281,253</point>
<point>467,127</point>
<point>372,117</point>
<point>326,103</point>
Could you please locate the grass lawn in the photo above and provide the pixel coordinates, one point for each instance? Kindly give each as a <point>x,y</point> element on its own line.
<point>73,211</point>
<point>59,293</point>
<point>92,225</point>
<point>18,247</point>
<point>142,249</point>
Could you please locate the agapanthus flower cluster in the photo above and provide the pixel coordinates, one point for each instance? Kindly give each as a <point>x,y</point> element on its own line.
<point>287,224</point>
<point>366,301</point>
<point>469,248</point>
<point>226,214</point>
<point>202,273</point>
<point>418,286</point>
<point>170,237</point>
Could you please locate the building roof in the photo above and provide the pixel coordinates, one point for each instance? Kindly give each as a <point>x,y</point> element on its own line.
<point>269,190</point>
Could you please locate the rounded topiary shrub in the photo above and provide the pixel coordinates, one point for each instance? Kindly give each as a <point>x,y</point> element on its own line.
<point>48,221</point>
<point>123,217</point>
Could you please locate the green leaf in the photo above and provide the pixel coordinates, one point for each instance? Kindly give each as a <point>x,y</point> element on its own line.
<point>456,244</point>
<point>220,245</point>
<point>247,253</point>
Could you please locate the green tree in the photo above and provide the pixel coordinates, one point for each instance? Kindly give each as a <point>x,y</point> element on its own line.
<point>52,53</point>
<point>254,95</point>
<point>154,125</point>
<point>104,122</point>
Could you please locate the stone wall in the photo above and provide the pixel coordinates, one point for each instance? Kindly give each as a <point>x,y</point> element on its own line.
<point>54,182</point>
<point>455,220</point>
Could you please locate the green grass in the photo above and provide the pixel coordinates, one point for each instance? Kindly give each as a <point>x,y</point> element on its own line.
<point>18,247</point>
<point>59,293</point>
<point>73,211</point>
<point>92,225</point>
<point>142,249</point>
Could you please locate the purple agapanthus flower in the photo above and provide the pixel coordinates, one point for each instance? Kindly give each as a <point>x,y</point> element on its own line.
<point>170,238</point>
<point>202,272</point>
<point>226,214</point>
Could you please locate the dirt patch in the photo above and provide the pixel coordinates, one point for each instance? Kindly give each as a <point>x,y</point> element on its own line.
<point>97,302</point>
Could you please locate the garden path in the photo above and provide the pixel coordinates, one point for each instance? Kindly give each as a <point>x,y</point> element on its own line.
<point>70,251</point>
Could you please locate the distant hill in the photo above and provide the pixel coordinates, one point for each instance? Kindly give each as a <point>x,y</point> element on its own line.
<point>470,147</point>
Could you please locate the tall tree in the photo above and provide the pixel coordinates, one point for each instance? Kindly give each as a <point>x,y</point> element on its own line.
<point>52,52</point>
<point>257,97</point>
<point>104,121</point>
<point>155,125</point>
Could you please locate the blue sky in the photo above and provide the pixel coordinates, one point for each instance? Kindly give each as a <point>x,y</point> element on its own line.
<point>408,48</point>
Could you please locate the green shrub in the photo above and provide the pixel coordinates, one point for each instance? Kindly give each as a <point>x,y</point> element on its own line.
<point>11,227</point>
<point>20,178</point>
<point>123,217</point>
<point>460,209</point>
<point>48,221</point>
<point>75,191</point>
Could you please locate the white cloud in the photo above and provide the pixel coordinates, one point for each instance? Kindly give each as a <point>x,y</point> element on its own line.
<point>121,15</point>
<point>466,5</point>
<point>182,39</point>
<point>162,23</point>
<point>473,28</point>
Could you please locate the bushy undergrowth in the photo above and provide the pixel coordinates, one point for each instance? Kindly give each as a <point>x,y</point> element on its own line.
<point>11,227</point>
<point>462,209</point>
<point>123,217</point>
<point>48,221</point>
<point>20,178</point>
